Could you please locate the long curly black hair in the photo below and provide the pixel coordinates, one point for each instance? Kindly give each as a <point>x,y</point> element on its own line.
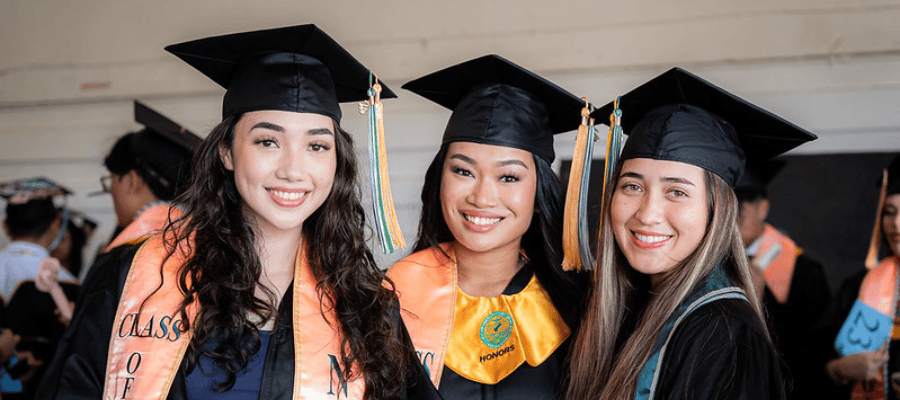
<point>223,272</point>
<point>542,241</point>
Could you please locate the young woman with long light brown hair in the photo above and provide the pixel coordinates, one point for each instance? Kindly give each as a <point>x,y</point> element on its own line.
<point>673,313</point>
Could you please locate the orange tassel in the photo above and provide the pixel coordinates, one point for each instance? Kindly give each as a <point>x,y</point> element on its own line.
<point>572,251</point>
<point>872,255</point>
<point>393,223</point>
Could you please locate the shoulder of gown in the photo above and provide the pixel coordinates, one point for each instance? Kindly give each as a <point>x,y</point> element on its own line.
<point>721,351</point>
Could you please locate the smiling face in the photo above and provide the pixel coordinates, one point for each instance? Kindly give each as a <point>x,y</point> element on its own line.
<point>890,222</point>
<point>659,213</point>
<point>487,195</point>
<point>284,165</point>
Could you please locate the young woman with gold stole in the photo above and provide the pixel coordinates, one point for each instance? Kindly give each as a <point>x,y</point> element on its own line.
<point>265,288</point>
<point>673,314</point>
<point>489,308</point>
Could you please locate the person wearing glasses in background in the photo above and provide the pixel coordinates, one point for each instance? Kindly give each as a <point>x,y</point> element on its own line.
<point>145,169</point>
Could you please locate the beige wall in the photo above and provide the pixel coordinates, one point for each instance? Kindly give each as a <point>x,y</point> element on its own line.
<point>70,68</point>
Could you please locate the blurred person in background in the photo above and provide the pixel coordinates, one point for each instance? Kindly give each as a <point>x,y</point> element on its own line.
<point>70,251</point>
<point>792,285</point>
<point>34,225</point>
<point>146,168</point>
<point>860,332</point>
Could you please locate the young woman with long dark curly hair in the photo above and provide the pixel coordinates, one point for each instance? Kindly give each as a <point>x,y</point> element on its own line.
<point>673,312</point>
<point>489,307</point>
<point>266,287</point>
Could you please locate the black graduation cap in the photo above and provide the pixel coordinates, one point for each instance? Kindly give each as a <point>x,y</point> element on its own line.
<point>893,183</point>
<point>678,116</point>
<point>756,178</point>
<point>165,147</point>
<point>497,102</point>
<point>296,69</point>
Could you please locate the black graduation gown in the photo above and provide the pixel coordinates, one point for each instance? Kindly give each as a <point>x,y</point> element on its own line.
<point>32,315</point>
<point>80,362</point>
<point>527,382</point>
<point>720,351</point>
<point>791,324</point>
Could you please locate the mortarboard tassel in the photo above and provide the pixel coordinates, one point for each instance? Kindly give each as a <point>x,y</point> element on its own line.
<point>872,255</point>
<point>576,243</point>
<point>386,223</point>
<point>613,147</point>
<point>613,151</point>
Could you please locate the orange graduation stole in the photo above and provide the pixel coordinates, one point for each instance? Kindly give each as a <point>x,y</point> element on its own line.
<point>776,257</point>
<point>878,291</point>
<point>147,347</point>
<point>481,339</point>
<point>148,222</point>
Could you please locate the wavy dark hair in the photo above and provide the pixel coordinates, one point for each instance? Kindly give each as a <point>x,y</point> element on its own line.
<point>223,272</point>
<point>542,241</point>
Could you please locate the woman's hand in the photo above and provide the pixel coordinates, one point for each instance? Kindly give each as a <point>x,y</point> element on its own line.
<point>856,367</point>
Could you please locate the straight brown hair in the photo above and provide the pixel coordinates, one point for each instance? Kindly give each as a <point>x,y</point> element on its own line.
<point>600,370</point>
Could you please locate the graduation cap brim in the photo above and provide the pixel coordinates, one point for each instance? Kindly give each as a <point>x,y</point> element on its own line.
<point>449,86</point>
<point>169,129</point>
<point>221,57</point>
<point>762,134</point>
<point>21,191</point>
